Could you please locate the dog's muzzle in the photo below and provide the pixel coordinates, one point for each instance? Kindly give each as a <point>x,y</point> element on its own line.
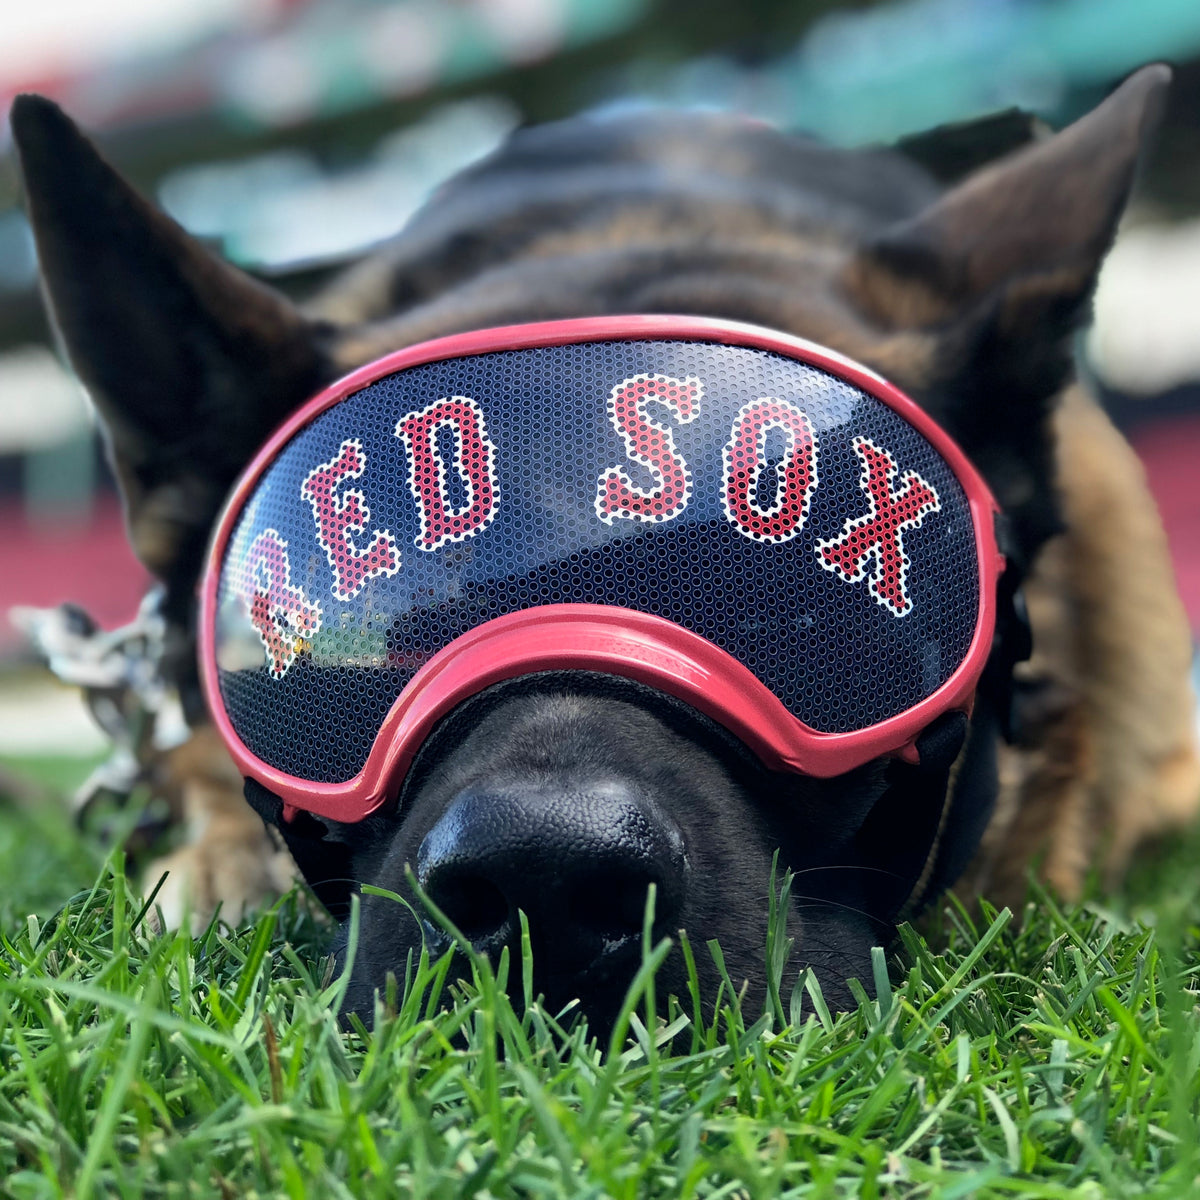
<point>740,519</point>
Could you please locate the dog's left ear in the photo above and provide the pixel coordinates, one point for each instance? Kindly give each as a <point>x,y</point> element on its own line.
<point>190,362</point>
<point>1034,226</point>
<point>996,275</point>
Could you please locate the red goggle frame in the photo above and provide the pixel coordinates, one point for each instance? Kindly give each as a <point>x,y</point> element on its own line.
<point>602,638</point>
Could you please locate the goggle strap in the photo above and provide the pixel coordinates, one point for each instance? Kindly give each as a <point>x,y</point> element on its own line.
<point>969,791</point>
<point>325,862</point>
<point>905,823</point>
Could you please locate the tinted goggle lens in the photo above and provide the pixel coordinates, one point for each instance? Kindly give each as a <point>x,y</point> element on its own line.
<point>788,508</point>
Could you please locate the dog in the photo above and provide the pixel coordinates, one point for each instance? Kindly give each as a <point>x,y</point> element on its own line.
<point>965,297</point>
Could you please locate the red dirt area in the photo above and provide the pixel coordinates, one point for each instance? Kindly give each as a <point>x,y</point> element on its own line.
<point>1170,449</point>
<point>87,561</point>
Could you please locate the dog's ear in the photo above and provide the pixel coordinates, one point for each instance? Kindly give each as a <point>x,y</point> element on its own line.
<point>996,275</point>
<point>1033,226</point>
<point>190,362</point>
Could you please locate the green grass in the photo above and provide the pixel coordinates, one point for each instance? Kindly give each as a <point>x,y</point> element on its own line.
<point>1052,1057</point>
<point>43,859</point>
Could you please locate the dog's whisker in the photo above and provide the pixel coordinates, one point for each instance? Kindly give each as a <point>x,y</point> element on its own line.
<point>847,867</point>
<point>822,902</point>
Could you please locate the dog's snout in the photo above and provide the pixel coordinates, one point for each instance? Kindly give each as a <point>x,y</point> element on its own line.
<point>577,862</point>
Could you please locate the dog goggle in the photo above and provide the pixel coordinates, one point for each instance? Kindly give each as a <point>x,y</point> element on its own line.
<point>741,519</point>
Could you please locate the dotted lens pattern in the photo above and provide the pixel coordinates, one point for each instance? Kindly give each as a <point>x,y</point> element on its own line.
<point>824,644</point>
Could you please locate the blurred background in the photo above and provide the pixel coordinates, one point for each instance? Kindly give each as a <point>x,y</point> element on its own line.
<point>295,134</point>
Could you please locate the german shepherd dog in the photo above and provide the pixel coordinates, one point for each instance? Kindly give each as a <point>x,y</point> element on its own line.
<point>967,298</point>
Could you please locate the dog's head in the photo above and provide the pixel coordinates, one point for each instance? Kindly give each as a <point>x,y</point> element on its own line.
<point>564,793</point>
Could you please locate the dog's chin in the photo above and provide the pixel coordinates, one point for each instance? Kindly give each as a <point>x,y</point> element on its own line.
<point>596,994</point>
<point>831,942</point>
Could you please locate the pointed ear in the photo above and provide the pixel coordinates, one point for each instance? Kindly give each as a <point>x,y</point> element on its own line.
<point>995,276</point>
<point>190,362</point>
<point>1037,222</point>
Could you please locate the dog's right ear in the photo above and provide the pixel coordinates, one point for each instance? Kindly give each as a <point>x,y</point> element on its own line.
<point>190,362</point>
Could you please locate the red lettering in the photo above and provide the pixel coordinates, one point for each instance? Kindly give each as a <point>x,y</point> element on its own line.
<point>474,461</point>
<point>341,517</point>
<point>878,534</point>
<point>652,444</point>
<point>281,613</point>
<point>795,472</point>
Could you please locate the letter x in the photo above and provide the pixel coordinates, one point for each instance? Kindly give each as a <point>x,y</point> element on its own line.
<point>878,535</point>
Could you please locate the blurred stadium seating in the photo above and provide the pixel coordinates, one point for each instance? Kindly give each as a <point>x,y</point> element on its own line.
<point>294,134</point>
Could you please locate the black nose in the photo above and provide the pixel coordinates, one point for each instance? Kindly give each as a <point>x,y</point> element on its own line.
<point>578,864</point>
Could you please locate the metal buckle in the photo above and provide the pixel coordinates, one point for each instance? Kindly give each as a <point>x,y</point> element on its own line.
<point>120,674</point>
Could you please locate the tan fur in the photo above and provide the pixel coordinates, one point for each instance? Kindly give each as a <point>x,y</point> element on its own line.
<point>1118,764</point>
<point>230,859</point>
